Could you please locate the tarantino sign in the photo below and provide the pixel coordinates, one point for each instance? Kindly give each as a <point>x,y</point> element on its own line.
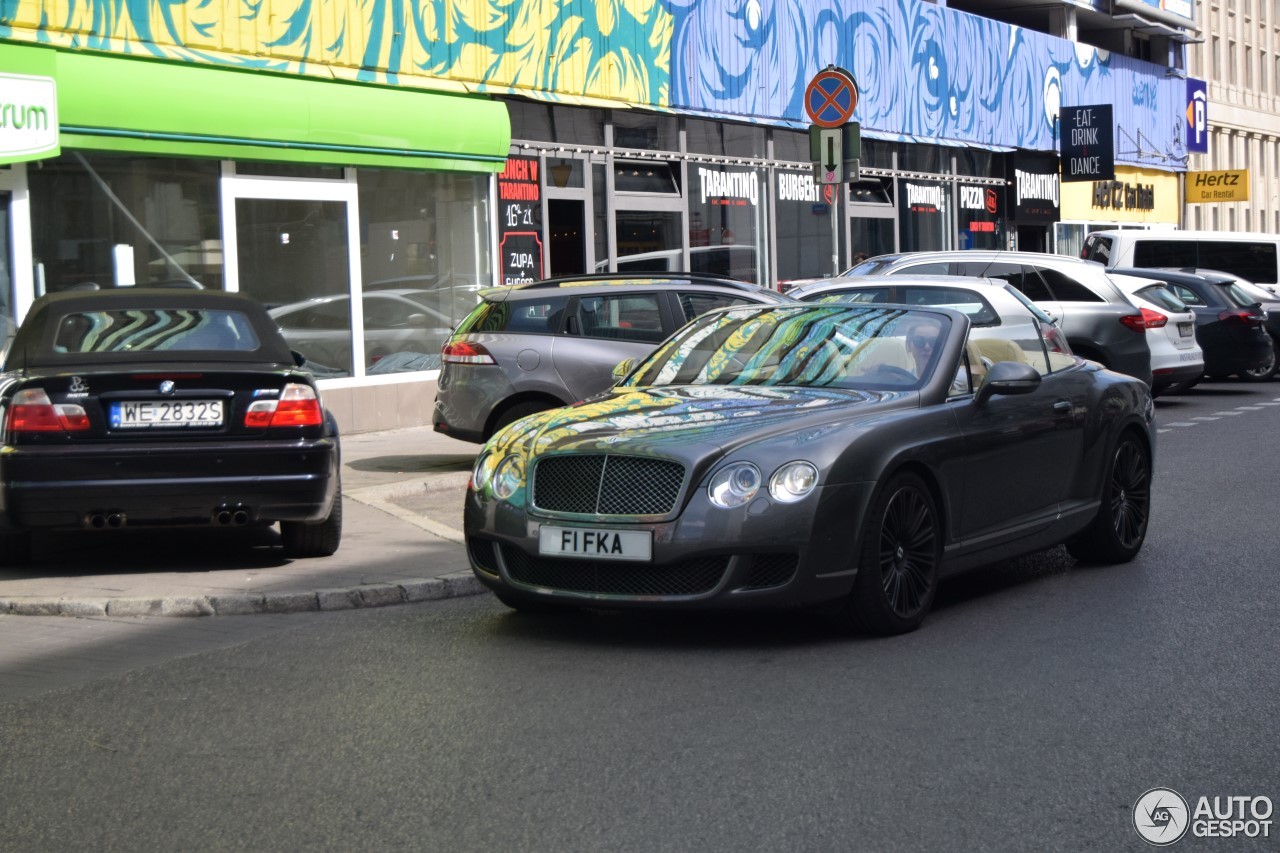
<point>1034,188</point>
<point>520,221</point>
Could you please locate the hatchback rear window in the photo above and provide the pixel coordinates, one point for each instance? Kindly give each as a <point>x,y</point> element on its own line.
<point>517,316</point>
<point>1158,294</point>
<point>135,330</point>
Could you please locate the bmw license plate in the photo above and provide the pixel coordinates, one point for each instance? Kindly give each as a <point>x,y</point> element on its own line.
<point>595,543</point>
<point>153,414</point>
<point>1186,329</point>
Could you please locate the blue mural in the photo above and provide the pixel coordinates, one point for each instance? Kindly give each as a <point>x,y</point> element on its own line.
<point>924,71</point>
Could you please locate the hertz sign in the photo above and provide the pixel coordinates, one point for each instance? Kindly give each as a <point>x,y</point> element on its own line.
<point>1230,185</point>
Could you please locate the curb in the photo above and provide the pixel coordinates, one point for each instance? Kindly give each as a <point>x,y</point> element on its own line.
<point>455,585</point>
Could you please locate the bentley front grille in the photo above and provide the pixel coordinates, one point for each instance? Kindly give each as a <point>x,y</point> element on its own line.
<point>612,577</point>
<point>602,484</point>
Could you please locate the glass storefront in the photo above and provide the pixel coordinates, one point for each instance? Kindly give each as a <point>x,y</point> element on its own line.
<point>422,240</point>
<point>106,220</point>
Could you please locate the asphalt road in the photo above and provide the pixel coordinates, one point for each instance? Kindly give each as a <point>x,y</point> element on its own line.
<point>1035,706</point>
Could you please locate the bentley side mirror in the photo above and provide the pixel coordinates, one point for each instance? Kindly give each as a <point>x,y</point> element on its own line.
<point>1008,377</point>
<point>623,368</point>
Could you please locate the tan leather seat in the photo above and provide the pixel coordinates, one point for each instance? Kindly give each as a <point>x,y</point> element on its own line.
<point>997,349</point>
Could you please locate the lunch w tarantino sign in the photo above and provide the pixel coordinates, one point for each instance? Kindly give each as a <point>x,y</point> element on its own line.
<point>1087,144</point>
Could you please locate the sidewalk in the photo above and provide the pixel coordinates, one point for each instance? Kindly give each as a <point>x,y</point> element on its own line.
<point>402,542</point>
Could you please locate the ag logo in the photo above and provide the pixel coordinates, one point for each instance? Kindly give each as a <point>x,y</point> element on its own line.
<point>1161,816</point>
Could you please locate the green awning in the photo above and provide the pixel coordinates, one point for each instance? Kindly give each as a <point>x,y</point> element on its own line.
<point>119,103</point>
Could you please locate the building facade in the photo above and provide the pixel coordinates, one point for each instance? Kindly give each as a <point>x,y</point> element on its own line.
<point>364,170</point>
<point>1239,58</point>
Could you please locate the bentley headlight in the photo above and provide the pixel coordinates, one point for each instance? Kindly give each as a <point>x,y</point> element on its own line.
<point>506,477</point>
<point>793,482</point>
<point>480,473</point>
<point>734,485</point>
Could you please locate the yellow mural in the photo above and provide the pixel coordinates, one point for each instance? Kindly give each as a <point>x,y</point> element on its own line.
<point>616,50</point>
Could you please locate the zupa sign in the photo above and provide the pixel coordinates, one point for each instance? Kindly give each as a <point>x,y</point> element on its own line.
<point>28,117</point>
<point>1231,185</point>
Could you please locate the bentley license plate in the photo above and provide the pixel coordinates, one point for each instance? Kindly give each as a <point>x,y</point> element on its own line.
<point>595,543</point>
<point>152,414</point>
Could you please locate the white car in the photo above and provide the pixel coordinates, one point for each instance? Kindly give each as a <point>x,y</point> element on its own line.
<point>1177,362</point>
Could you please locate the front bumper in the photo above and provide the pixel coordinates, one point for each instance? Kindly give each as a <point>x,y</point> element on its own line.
<point>62,487</point>
<point>765,555</point>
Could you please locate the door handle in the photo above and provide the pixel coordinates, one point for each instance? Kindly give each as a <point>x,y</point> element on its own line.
<point>1063,407</point>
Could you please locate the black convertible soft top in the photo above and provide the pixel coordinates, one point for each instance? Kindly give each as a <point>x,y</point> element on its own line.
<point>35,345</point>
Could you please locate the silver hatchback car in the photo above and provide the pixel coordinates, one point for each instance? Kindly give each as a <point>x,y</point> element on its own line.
<point>1100,322</point>
<point>528,348</point>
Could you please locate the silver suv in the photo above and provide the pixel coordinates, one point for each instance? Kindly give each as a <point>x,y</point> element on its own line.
<point>1100,322</point>
<point>547,344</point>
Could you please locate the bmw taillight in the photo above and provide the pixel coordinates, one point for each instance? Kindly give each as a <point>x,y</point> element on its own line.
<point>33,411</point>
<point>1242,315</point>
<point>297,406</point>
<point>465,352</point>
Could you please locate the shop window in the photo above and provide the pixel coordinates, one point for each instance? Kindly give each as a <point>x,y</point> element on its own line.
<point>876,154</point>
<point>803,221</point>
<point>724,139</point>
<point>418,250</point>
<point>645,131</point>
<point>727,209</point>
<point>102,220</point>
<point>538,122</point>
<point>645,177</point>
<point>925,158</point>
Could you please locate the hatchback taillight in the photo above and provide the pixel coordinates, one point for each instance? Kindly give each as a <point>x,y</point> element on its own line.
<point>1242,315</point>
<point>298,406</point>
<point>464,352</point>
<point>33,411</point>
<point>1146,319</point>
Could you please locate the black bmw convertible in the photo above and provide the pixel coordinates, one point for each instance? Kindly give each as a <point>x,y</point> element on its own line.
<point>834,455</point>
<point>160,407</point>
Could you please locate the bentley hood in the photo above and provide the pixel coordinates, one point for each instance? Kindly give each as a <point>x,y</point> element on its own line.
<point>699,420</point>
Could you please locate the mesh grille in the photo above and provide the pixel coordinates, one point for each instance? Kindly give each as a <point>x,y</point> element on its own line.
<point>482,555</point>
<point>687,577</point>
<point>769,570</point>
<point>607,485</point>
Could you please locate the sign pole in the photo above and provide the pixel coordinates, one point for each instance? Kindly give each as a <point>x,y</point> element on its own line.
<point>830,99</point>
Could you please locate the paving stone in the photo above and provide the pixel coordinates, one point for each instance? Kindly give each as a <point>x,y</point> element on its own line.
<point>426,589</point>
<point>186,606</point>
<point>380,595</point>
<point>462,583</point>
<point>84,607</point>
<point>289,602</point>
<point>36,607</point>
<point>338,599</point>
<point>134,607</point>
<point>237,605</point>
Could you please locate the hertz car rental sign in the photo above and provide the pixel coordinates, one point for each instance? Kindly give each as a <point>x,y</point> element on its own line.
<point>1229,185</point>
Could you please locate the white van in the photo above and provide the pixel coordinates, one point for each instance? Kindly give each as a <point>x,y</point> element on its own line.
<point>1251,256</point>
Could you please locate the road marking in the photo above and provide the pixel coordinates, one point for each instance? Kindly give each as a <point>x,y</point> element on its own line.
<point>1205,418</point>
<point>1269,404</point>
<point>1163,430</point>
<point>1182,423</point>
<point>1248,408</point>
<point>1228,413</point>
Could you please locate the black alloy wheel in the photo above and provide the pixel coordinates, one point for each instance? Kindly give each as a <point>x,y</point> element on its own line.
<point>898,566</point>
<point>1118,530</point>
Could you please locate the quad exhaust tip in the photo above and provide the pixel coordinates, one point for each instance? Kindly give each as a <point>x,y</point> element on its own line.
<point>106,520</point>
